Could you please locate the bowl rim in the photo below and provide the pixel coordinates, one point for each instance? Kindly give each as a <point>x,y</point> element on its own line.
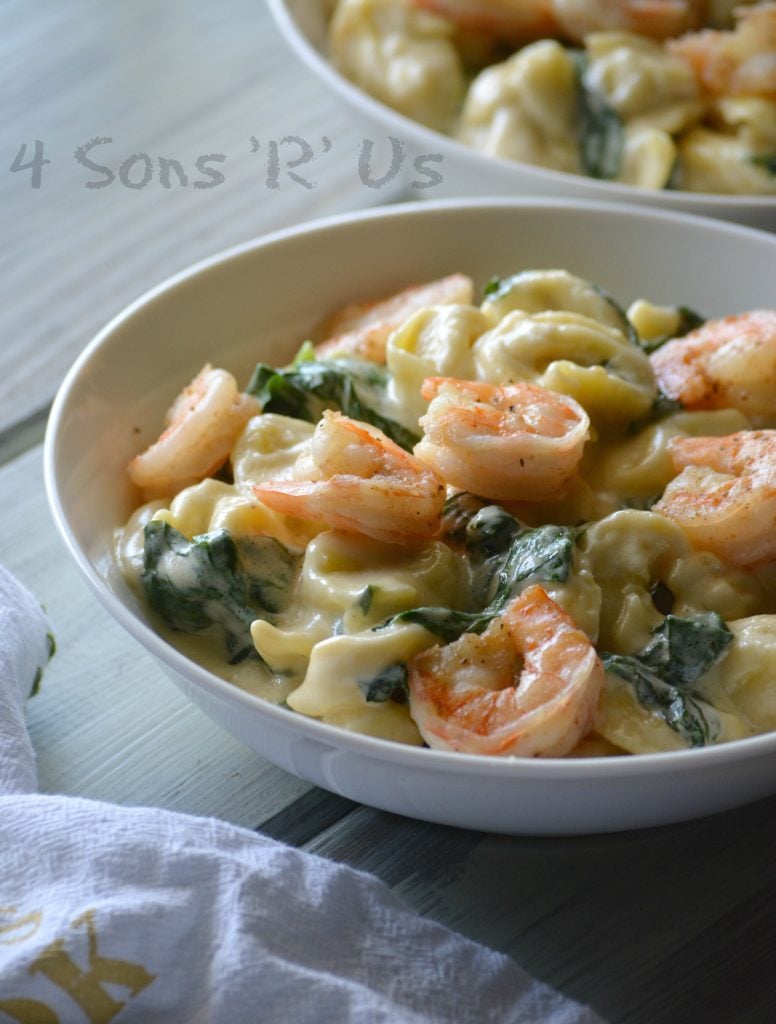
<point>677,199</point>
<point>335,737</point>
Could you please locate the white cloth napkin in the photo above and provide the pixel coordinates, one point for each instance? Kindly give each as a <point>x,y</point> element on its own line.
<point>138,914</point>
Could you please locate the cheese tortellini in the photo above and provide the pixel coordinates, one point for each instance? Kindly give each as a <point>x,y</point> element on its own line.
<point>580,88</point>
<point>400,55</point>
<point>524,109</point>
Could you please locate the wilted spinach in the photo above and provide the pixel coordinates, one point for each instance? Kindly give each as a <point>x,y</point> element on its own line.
<point>352,386</point>
<point>664,674</point>
<point>213,580</point>
<point>601,134</point>
<point>767,161</point>
<point>389,684</point>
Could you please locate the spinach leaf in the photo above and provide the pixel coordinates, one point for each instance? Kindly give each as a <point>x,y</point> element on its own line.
<point>212,580</point>
<point>601,135</point>
<point>365,598</point>
<point>503,555</point>
<point>493,286</point>
<point>353,386</point>
<point>664,674</point>
<point>767,161</point>
<point>661,407</point>
<point>388,684</point>
<point>457,514</point>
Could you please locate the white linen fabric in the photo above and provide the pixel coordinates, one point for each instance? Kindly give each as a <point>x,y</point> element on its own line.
<point>133,914</point>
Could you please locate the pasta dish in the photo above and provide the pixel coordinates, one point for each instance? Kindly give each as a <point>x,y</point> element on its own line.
<point>526,522</point>
<point>664,94</point>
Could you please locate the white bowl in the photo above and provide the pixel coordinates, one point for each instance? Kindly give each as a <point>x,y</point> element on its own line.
<point>255,303</point>
<point>466,172</point>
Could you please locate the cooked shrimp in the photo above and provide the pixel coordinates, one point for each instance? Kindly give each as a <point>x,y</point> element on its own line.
<point>361,330</point>
<point>358,480</point>
<point>203,424</point>
<point>737,63</point>
<point>528,686</point>
<point>727,363</point>
<point>519,21</point>
<point>658,19</point>
<point>724,497</point>
<point>510,442</point>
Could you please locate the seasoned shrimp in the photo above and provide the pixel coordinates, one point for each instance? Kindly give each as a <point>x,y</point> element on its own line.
<point>658,19</point>
<point>361,330</point>
<point>737,63</point>
<point>724,497</point>
<point>358,480</point>
<point>528,686</point>
<point>510,442</point>
<point>203,424</point>
<point>726,363</point>
<point>519,21</point>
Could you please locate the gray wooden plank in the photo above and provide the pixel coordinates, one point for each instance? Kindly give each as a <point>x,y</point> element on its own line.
<point>665,925</point>
<point>302,821</point>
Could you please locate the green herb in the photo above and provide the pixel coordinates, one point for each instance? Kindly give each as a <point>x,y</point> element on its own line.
<point>51,643</point>
<point>211,580</point>
<point>306,354</point>
<point>689,320</point>
<point>664,674</point>
<point>661,407</point>
<point>364,599</point>
<point>311,386</point>
<point>457,514</point>
<point>767,161</point>
<point>626,326</point>
<point>601,135</point>
<point>388,684</point>
<point>37,680</point>
<point>497,287</point>
<point>504,556</point>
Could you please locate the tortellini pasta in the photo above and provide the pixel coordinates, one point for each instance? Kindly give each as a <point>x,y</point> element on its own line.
<point>341,665</point>
<point>641,81</point>
<point>554,329</point>
<point>537,291</point>
<point>524,108</point>
<point>434,342</point>
<point>631,553</point>
<point>572,354</point>
<point>402,56</point>
<point>637,468</point>
<point>745,678</point>
<point>713,161</point>
<point>652,113</point>
<point>631,728</point>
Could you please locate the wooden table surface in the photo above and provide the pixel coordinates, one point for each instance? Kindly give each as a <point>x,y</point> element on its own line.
<point>667,925</point>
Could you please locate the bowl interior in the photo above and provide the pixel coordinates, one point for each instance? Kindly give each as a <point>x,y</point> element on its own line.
<point>464,171</point>
<point>260,301</point>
